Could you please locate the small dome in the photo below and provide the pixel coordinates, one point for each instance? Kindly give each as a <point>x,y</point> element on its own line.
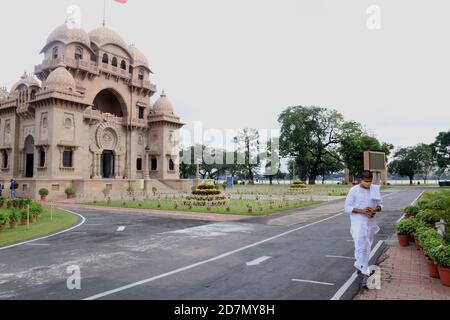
<point>103,36</point>
<point>138,58</point>
<point>28,80</point>
<point>3,93</point>
<point>68,35</point>
<point>60,79</point>
<point>163,105</point>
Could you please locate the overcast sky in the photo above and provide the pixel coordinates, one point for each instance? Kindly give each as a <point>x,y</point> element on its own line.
<point>239,63</point>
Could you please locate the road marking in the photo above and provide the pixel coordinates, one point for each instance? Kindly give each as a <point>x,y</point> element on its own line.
<point>121,229</point>
<point>346,285</point>
<point>93,224</point>
<point>257,261</point>
<point>340,257</point>
<point>83,220</point>
<point>316,282</point>
<point>37,244</point>
<point>164,275</point>
<point>350,240</point>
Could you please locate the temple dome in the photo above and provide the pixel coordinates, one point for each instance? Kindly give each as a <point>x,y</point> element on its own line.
<point>163,105</point>
<point>60,79</point>
<point>138,58</point>
<point>68,35</point>
<point>27,80</point>
<point>103,36</point>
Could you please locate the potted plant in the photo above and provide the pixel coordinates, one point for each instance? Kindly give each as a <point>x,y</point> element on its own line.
<point>9,204</point>
<point>4,219</point>
<point>35,211</point>
<point>13,219</point>
<point>2,202</point>
<point>411,211</point>
<point>430,240</point>
<point>154,190</point>
<point>43,193</point>
<point>404,229</point>
<point>23,217</point>
<point>442,257</point>
<point>429,216</point>
<point>70,192</point>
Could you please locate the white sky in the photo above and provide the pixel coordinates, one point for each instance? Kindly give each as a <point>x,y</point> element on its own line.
<point>239,63</point>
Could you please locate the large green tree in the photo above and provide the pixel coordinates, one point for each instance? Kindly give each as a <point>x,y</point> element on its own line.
<point>309,135</point>
<point>442,150</point>
<point>427,160</point>
<point>406,163</point>
<point>354,141</point>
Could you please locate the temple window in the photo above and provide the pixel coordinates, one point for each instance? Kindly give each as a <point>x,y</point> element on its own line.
<point>141,113</point>
<point>41,157</point>
<point>78,53</point>
<point>171,165</point>
<point>105,58</point>
<point>55,53</point>
<point>5,162</point>
<point>123,65</point>
<point>139,164</point>
<point>68,158</point>
<point>141,75</point>
<point>154,164</point>
<point>114,62</point>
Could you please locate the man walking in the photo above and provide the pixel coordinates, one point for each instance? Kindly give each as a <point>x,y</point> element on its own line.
<point>363,203</point>
<point>13,187</point>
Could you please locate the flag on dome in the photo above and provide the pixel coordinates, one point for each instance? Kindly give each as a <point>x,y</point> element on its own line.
<point>122,1</point>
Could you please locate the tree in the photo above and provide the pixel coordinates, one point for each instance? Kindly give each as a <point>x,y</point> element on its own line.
<point>354,141</point>
<point>330,166</point>
<point>310,136</point>
<point>188,165</point>
<point>426,159</point>
<point>248,144</point>
<point>406,163</point>
<point>442,150</point>
<point>273,161</point>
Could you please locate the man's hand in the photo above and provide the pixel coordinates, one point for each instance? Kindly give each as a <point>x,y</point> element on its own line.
<point>370,212</point>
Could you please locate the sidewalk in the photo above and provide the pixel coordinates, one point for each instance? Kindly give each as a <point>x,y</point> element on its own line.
<point>404,276</point>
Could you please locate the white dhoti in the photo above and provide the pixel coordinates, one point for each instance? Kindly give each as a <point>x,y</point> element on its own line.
<point>363,236</point>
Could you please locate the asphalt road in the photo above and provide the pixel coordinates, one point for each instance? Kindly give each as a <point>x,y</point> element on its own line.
<point>163,258</point>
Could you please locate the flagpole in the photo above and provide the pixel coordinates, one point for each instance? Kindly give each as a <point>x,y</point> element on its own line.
<point>104,13</point>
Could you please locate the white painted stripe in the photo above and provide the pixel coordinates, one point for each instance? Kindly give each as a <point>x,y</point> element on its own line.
<point>138,283</point>
<point>258,261</point>
<point>340,257</point>
<point>37,244</point>
<point>316,282</point>
<point>348,283</point>
<point>83,220</point>
<point>121,229</point>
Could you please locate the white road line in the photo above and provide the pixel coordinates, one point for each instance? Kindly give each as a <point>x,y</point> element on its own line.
<point>83,220</point>
<point>346,285</point>
<point>316,282</point>
<point>340,257</point>
<point>138,283</point>
<point>257,261</point>
<point>37,244</point>
<point>121,229</point>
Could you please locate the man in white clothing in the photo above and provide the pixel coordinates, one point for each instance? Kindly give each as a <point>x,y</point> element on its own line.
<point>362,204</point>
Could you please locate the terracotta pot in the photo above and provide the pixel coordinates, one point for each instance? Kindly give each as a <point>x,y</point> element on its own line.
<point>432,269</point>
<point>23,222</point>
<point>9,206</point>
<point>444,274</point>
<point>408,215</point>
<point>418,246</point>
<point>403,240</point>
<point>412,239</point>
<point>43,198</point>
<point>13,224</point>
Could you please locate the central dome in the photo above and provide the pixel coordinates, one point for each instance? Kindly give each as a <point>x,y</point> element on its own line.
<point>103,36</point>
<point>68,35</point>
<point>163,105</point>
<point>139,59</point>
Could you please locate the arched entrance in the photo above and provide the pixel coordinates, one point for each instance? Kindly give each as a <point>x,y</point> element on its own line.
<point>110,101</point>
<point>29,157</point>
<point>107,164</point>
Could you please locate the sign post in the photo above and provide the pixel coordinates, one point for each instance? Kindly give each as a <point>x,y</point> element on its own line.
<point>376,163</point>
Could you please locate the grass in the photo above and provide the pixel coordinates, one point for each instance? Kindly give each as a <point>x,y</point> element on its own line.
<point>236,206</point>
<point>44,226</point>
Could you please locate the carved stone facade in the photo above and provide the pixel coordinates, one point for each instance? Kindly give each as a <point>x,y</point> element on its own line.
<point>85,118</point>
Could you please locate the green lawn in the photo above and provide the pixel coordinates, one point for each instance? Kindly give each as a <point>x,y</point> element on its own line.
<point>236,206</point>
<point>44,226</point>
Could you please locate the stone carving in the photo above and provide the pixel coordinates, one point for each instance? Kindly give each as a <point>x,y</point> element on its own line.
<point>108,137</point>
<point>7,132</point>
<point>69,127</point>
<point>44,126</point>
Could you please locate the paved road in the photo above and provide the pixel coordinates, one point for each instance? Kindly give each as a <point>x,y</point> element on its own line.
<point>162,258</point>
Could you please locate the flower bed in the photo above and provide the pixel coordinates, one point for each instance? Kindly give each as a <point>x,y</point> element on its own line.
<point>206,195</point>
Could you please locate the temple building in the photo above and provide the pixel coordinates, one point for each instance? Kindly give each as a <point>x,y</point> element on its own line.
<point>85,119</point>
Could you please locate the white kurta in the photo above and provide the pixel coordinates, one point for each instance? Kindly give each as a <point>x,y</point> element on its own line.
<point>363,228</point>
